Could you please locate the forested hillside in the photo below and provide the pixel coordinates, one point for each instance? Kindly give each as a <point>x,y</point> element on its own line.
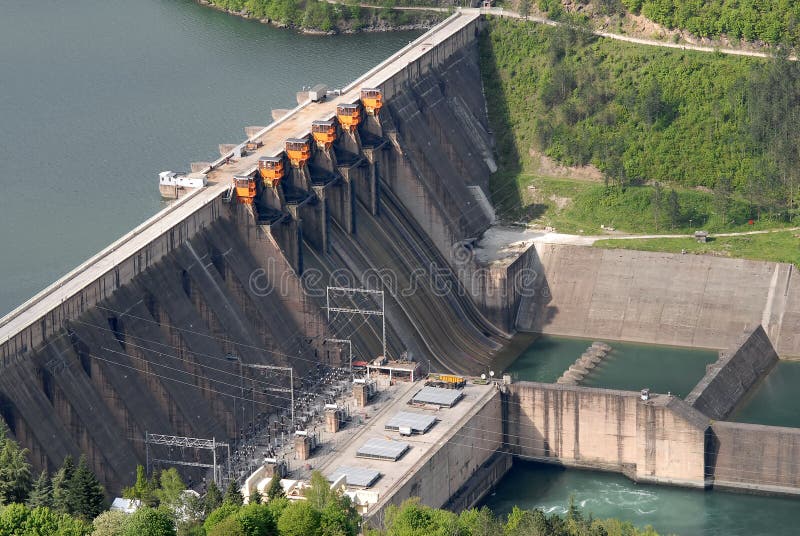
<point>772,21</point>
<point>326,17</point>
<point>645,114</point>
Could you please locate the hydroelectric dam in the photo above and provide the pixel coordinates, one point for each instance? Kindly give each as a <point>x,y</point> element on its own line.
<point>383,186</point>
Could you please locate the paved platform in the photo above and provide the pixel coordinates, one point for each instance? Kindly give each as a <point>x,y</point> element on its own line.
<point>394,473</point>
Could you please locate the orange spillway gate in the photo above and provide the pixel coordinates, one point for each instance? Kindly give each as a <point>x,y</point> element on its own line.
<point>245,188</point>
<point>324,133</point>
<point>372,100</point>
<point>298,150</point>
<point>349,116</point>
<point>271,170</point>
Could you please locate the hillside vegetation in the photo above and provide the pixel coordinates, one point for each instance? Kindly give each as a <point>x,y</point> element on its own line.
<point>720,131</point>
<point>326,17</point>
<point>771,21</point>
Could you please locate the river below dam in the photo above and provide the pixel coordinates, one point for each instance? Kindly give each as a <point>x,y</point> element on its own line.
<point>98,96</point>
<point>670,510</point>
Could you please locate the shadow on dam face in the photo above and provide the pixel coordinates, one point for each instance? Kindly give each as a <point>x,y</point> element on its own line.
<point>159,343</point>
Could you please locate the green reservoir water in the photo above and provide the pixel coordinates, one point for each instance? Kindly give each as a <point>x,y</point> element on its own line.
<point>773,401</point>
<point>669,510</point>
<point>628,366</point>
<point>98,96</point>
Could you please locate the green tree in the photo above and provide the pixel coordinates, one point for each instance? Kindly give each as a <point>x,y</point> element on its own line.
<point>657,202</point>
<point>17,519</point>
<point>673,208</point>
<point>256,520</point>
<point>723,192</point>
<point>339,519</point>
<point>275,490</point>
<point>62,481</point>
<point>233,495</point>
<point>299,519</point>
<point>86,494</point>
<point>525,523</point>
<point>525,9</point>
<point>230,526</point>
<point>110,523</point>
<point>42,493</point>
<point>170,492</point>
<point>15,471</point>
<point>142,490</point>
<point>213,497</point>
<point>319,494</point>
<point>149,522</point>
<point>216,516</point>
<point>479,522</point>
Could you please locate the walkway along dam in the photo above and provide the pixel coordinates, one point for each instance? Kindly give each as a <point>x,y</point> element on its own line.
<point>384,186</point>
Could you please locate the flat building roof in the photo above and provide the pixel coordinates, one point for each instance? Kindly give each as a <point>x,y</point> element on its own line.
<point>355,476</point>
<point>382,449</point>
<point>438,396</point>
<point>419,423</point>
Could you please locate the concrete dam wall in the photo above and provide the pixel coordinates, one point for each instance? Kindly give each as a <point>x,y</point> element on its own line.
<point>662,298</point>
<point>728,380</point>
<point>152,334</point>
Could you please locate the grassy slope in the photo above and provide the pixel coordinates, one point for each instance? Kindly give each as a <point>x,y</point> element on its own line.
<point>781,246</point>
<point>639,114</point>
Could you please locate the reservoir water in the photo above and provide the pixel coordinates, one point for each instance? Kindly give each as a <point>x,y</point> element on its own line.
<point>669,510</point>
<point>774,400</point>
<point>98,96</point>
<point>628,366</point>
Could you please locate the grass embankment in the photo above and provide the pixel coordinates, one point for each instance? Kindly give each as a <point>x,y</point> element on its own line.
<point>783,246</point>
<point>322,16</point>
<point>675,140</point>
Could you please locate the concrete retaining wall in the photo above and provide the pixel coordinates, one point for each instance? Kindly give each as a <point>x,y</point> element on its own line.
<point>662,298</point>
<point>756,458</point>
<point>728,380</point>
<point>659,440</point>
<point>463,451</point>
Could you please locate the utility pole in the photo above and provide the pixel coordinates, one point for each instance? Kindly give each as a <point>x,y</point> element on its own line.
<point>365,312</point>
<point>290,370</point>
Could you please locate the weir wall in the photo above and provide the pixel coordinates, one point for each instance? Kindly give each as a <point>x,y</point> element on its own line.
<point>660,440</point>
<point>662,298</point>
<point>756,458</point>
<point>730,378</point>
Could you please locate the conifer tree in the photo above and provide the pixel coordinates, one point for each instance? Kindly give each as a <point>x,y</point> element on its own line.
<point>15,471</point>
<point>233,495</point>
<point>213,498</point>
<point>61,485</point>
<point>42,494</point>
<point>275,490</point>
<point>142,490</point>
<point>86,494</point>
